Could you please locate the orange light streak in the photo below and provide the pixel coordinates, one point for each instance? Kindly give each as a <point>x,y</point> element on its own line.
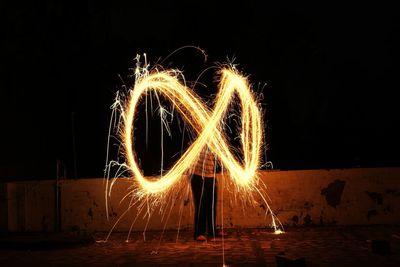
<point>207,125</point>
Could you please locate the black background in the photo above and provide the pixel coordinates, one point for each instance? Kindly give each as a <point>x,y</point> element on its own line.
<point>330,72</point>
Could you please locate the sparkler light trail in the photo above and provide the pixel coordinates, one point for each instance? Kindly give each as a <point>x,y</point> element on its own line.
<point>208,128</point>
<point>205,123</point>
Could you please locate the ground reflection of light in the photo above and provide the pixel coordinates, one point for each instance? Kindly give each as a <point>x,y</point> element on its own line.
<point>279,232</point>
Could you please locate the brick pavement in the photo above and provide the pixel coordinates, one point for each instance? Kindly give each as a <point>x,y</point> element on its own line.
<point>322,246</point>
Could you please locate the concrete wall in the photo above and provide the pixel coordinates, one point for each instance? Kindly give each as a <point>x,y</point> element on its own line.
<point>310,197</point>
<point>30,206</point>
<point>348,196</point>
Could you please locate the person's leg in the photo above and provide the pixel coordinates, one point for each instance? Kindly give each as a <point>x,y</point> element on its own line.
<point>211,205</point>
<point>197,183</point>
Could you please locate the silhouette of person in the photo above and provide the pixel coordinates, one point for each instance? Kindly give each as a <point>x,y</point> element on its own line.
<point>204,189</point>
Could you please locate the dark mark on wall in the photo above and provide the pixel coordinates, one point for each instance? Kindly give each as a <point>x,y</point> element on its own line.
<point>376,197</point>
<point>333,192</point>
<point>307,220</point>
<point>112,213</point>
<point>295,219</point>
<point>371,213</point>
<point>308,205</point>
<point>186,202</point>
<point>90,213</point>
<point>388,208</point>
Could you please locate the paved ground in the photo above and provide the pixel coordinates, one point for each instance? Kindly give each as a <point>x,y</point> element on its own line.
<point>323,246</point>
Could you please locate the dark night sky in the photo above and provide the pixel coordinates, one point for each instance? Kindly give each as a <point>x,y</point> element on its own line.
<point>331,75</point>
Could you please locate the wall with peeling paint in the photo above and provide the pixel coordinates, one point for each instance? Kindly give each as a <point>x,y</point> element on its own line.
<point>299,198</point>
<point>321,197</point>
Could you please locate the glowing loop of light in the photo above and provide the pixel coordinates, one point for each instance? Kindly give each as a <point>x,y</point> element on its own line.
<point>206,124</point>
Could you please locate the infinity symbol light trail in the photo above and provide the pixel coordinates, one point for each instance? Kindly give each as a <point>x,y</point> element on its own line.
<point>207,124</point>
